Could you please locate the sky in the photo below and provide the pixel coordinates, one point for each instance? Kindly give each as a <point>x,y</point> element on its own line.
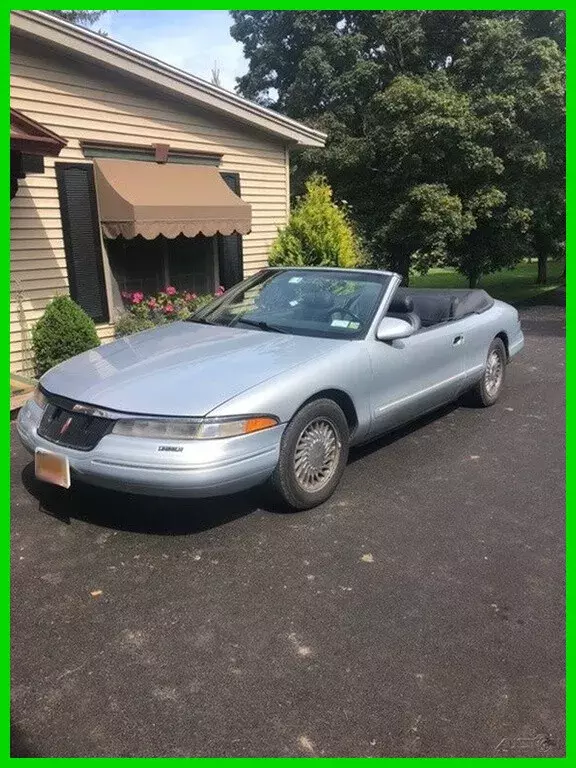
<point>191,40</point>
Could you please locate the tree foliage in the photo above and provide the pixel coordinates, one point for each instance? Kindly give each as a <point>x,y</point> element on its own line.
<point>86,18</point>
<point>449,125</point>
<point>423,229</point>
<point>318,233</point>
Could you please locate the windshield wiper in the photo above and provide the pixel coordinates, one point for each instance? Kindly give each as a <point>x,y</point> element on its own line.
<point>199,320</point>
<point>264,326</point>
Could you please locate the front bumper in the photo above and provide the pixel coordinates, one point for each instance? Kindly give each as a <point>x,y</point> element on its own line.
<point>516,344</point>
<point>202,468</point>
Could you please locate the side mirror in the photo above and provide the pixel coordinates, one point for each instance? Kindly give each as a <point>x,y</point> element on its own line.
<point>391,328</point>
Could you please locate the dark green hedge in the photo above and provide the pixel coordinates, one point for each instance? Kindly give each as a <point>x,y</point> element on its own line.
<point>64,330</point>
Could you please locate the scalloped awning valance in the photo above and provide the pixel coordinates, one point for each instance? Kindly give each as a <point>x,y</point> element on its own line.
<point>151,199</point>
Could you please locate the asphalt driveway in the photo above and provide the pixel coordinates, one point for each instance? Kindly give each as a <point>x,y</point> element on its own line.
<point>419,612</point>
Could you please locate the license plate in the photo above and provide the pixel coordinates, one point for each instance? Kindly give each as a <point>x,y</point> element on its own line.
<point>52,468</point>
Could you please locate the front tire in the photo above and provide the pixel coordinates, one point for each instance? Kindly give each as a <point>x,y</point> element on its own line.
<point>313,455</point>
<point>490,386</point>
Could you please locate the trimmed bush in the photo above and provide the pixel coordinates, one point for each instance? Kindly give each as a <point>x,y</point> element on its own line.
<point>129,323</point>
<point>318,233</point>
<point>64,330</point>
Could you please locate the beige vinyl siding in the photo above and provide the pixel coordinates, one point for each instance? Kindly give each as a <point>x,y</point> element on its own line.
<point>80,103</point>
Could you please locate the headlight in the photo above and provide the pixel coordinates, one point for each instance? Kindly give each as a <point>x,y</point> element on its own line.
<point>182,429</point>
<point>39,398</point>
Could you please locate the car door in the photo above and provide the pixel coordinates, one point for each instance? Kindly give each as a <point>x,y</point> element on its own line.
<point>417,374</point>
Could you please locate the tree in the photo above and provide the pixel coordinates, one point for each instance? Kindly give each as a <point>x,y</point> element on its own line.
<point>518,85</point>
<point>318,233</point>
<point>422,230</point>
<point>430,152</point>
<point>467,102</point>
<point>496,236</point>
<point>281,46</point>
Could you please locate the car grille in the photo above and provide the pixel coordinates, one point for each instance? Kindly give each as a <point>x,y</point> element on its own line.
<point>74,430</point>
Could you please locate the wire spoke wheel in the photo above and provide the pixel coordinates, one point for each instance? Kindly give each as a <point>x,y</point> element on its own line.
<point>494,373</point>
<point>316,455</point>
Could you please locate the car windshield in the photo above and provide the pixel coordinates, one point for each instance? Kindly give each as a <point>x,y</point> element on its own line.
<point>308,302</point>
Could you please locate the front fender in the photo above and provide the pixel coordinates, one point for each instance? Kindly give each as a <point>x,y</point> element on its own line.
<point>346,369</point>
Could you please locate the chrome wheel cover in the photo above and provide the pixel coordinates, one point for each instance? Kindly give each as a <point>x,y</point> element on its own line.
<point>316,455</point>
<point>494,373</point>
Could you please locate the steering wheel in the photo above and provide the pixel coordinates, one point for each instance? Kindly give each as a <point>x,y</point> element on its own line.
<point>347,313</point>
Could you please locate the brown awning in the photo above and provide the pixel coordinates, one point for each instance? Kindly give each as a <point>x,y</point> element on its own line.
<point>151,199</point>
<point>26,135</point>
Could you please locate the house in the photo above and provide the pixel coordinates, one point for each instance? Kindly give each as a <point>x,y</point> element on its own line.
<point>129,174</point>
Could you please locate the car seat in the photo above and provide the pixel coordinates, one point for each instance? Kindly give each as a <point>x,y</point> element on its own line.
<point>402,307</point>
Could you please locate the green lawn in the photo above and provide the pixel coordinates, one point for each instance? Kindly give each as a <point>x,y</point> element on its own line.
<point>512,285</point>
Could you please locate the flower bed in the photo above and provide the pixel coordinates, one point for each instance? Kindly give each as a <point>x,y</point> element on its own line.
<point>143,312</point>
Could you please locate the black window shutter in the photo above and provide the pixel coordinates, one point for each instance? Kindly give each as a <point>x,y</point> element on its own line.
<point>82,245</point>
<point>230,259</point>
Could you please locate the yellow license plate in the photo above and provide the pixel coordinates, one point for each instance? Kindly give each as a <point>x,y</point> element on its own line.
<point>52,468</point>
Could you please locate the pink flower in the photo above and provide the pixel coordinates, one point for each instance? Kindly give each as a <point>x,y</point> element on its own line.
<point>190,297</point>
<point>152,303</point>
<point>170,290</point>
<point>126,295</point>
<point>220,291</point>
<point>137,297</point>
<point>168,309</point>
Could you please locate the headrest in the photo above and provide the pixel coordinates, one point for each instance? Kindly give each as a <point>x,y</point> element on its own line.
<point>401,303</point>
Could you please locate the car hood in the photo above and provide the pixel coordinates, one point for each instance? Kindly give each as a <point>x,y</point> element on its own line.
<point>184,369</point>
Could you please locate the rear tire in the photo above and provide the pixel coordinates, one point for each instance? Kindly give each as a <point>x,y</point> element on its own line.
<point>313,455</point>
<point>487,391</point>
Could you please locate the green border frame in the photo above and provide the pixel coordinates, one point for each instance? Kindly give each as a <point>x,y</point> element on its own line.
<point>279,5</point>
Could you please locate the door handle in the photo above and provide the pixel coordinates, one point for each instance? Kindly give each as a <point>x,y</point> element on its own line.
<point>457,340</point>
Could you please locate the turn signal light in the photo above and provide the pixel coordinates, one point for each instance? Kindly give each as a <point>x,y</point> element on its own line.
<point>258,423</point>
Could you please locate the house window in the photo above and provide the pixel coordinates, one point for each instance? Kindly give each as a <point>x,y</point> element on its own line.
<point>187,263</point>
<point>97,280</point>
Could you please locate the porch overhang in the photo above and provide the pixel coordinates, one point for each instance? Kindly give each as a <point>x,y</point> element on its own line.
<point>32,138</point>
<point>30,143</point>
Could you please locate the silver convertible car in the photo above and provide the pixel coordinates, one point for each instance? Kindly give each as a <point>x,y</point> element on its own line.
<point>271,382</point>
